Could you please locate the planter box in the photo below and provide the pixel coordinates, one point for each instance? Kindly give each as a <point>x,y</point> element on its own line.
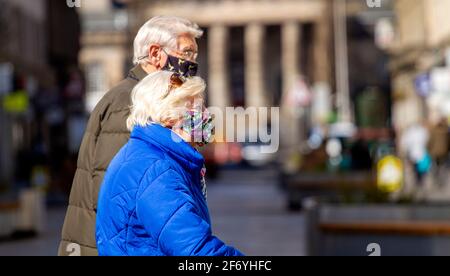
<point>8,217</point>
<point>302,186</point>
<point>25,216</point>
<point>396,230</point>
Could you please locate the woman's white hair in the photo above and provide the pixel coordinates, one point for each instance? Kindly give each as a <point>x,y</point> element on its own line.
<point>164,31</point>
<point>154,102</point>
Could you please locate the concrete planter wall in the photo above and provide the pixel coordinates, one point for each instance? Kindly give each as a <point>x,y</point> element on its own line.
<point>397,230</point>
<point>28,215</point>
<point>7,223</point>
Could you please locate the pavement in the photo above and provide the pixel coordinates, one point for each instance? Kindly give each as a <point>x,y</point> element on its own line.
<point>247,211</point>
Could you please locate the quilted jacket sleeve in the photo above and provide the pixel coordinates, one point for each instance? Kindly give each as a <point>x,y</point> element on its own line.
<point>168,213</point>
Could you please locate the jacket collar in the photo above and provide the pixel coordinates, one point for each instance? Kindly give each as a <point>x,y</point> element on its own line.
<point>171,144</point>
<point>137,73</point>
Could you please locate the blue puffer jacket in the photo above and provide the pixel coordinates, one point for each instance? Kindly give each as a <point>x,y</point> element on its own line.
<point>151,204</point>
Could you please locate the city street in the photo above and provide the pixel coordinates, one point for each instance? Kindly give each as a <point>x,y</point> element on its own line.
<point>349,98</point>
<point>247,211</point>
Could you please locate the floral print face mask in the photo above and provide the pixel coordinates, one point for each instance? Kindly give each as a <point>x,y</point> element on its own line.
<point>199,125</point>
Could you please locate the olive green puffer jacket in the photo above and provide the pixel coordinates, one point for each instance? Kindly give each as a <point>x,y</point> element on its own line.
<point>106,133</point>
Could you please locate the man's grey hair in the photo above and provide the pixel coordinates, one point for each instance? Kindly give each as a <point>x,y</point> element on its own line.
<point>164,31</point>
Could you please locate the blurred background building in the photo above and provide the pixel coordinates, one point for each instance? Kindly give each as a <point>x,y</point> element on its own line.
<point>40,86</point>
<point>105,55</point>
<point>363,91</point>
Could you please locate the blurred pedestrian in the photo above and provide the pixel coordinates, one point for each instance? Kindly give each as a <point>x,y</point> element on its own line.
<point>438,147</point>
<point>163,43</point>
<point>414,142</point>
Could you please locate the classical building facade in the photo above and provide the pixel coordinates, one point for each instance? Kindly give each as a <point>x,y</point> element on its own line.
<point>40,46</point>
<point>105,55</point>
<point>272,38</point>
<point>421,46</point>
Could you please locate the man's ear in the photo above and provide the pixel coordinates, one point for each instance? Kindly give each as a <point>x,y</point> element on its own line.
<point>154,55</point>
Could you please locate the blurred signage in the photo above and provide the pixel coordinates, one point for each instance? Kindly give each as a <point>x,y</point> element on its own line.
<point>373,3</point>
<point>16,102</point>
<point>6,78</point>
<point>73,3</point>
<point>390,174</point>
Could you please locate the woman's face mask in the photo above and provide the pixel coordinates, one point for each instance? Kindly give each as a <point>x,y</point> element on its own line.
<point>199,126</point>
<point>183,67</point>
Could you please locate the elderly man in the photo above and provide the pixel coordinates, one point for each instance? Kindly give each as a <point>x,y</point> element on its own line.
<point>163,43</point>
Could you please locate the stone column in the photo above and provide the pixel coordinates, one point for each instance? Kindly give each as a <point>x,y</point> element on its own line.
<point>341,53</point>
<point>255,94</point>
<point>290,36</point>
<point>291,121</point>
<point>322,58</point>
<point>218,87</point>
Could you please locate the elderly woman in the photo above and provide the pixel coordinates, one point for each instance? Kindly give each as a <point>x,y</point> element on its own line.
<point>151,201</point>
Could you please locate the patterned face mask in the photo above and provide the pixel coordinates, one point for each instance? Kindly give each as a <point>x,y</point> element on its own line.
<point>199,125</point>
<point>180,66</point>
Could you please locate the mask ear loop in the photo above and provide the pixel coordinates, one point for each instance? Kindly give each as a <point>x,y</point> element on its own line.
<point>144,57</point>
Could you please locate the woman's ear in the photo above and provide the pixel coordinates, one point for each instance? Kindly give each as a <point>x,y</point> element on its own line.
<point>170,123</point>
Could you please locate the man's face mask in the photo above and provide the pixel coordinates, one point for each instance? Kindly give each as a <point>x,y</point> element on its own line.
<point>180,66</point>
<point>199,126</point>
